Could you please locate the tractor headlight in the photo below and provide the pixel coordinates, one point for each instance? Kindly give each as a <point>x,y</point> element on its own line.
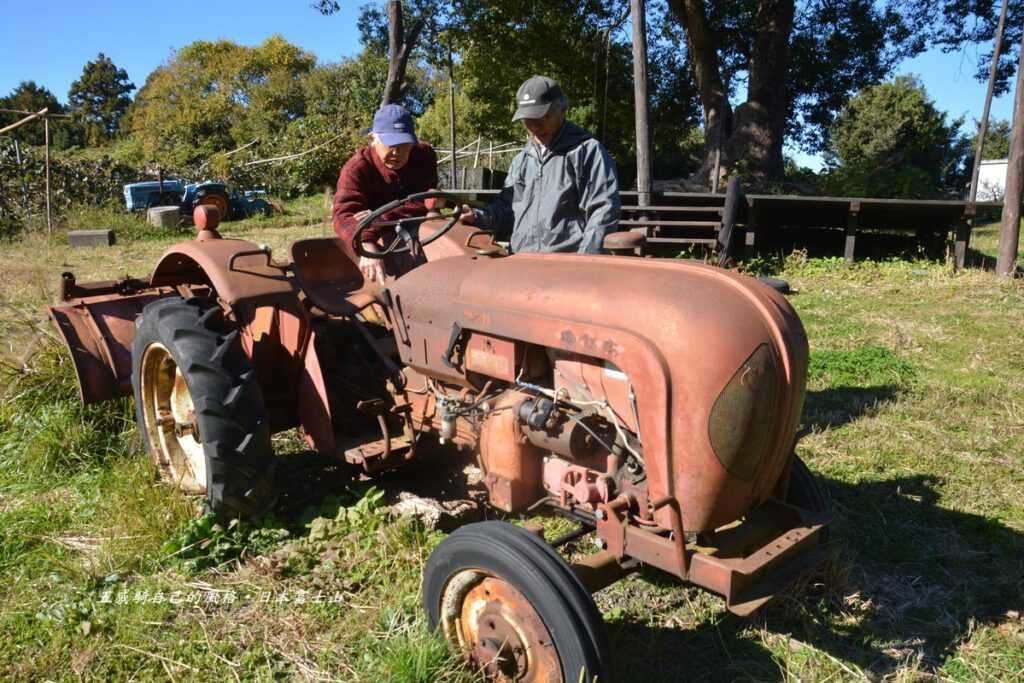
<point>741,421</point>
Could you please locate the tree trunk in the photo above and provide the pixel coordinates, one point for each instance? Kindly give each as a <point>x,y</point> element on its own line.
<point>703,52</point>
<point>751,139</point>
<point>755,147</point>
<point>399,48</point>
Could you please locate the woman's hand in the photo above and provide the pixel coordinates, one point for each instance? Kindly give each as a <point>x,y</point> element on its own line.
<point>371,268</point>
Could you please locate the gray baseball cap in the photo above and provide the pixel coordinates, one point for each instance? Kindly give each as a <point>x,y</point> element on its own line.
<point>535,96</point>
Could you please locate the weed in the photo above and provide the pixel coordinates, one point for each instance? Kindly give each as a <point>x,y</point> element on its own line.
<point>209,541</point>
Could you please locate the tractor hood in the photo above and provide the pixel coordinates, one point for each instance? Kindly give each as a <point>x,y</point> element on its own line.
<point>717,360</point>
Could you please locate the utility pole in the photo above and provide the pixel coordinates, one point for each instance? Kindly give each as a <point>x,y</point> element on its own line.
<point>983,127</point>
<point>643,130</point>
<point>1009,234</point>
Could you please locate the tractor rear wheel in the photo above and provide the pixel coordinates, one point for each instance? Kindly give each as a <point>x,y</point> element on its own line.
<point>216,199</point>
<point>504,598</point>
<point>199,407</point>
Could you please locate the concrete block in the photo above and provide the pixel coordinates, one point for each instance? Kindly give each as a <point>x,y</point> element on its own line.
<point>164,216</point>
<point>91,238</point>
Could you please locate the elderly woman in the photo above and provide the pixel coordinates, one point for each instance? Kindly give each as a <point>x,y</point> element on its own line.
<point>393,165</point>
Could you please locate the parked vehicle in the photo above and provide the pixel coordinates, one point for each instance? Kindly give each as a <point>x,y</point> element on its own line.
<point>653,402</point>
<point>174,192</point>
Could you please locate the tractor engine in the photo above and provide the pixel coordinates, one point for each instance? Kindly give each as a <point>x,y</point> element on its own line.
<point>566,439</point>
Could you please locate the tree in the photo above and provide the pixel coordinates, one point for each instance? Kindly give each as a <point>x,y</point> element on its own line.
<point>100,98</point>
<point>891,141</point>
<point>30,97</point>
<point>214,96</point>
<point>997,140</point>
<point>400,42</point>
<point>586,46</point>
<point>801,61</point>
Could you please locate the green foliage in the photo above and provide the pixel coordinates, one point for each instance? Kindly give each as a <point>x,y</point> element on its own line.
<point>100,98</point>
<point>272,100</point>
<point>214,96</point>
<point>337,521</point>
<point>997,140</point>
<point>209,541</point>
<point>502,44</point>
<point>434,125</point>
<point>45,427</point>
<point>891,141</point>
<point>75,181</point>
<point>863,366</point>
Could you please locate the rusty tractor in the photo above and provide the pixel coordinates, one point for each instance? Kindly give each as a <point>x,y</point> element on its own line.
<point>654,402</point>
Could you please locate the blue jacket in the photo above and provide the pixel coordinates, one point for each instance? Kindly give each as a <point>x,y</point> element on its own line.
<point>563,199</point>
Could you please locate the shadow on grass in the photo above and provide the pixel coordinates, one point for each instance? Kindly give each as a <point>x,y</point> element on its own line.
<point>824,242</point>
<point>982,261</point>
<point>909,581</point>
<point>305,479</point>
<point>837,406</point>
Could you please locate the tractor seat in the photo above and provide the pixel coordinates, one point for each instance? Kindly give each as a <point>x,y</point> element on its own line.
<point>330,278</point>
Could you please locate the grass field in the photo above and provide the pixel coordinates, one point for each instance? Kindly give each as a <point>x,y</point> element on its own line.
<point>916,405</point>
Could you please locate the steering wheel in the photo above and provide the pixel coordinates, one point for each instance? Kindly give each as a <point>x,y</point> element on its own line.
<point>407,239</point>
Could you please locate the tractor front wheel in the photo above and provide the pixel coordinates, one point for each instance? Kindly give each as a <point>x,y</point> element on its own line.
<point>199,407</point>
<point>507,601</point>
<point>805,493</point>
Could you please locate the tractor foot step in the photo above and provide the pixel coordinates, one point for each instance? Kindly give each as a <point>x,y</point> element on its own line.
<point>382,454</point>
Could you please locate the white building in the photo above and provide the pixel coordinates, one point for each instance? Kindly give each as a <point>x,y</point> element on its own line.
<point>992,180</point>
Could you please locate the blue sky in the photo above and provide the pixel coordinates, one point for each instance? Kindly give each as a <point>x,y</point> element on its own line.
<point>50,43</point>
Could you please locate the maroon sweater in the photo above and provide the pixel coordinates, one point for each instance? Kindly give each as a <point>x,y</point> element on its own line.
<point>366,183</point>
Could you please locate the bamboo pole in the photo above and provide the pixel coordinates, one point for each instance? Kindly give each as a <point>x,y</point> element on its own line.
<point>46,133</point>
<point>24,185</point>
<point>22,122</point>
<point>24,113</point>
<point>1009,233</point>
<point>983,126</point>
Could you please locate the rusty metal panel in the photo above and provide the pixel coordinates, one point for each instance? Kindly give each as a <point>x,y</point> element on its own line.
<point>98,332</point>
<point>678,330</point>
<point>492,356</point>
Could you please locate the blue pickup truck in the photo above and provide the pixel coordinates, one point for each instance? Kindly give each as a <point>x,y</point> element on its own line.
<point>147,194</point>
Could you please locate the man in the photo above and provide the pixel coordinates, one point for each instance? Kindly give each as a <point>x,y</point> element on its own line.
<point>393,165</point>
<point>561,193</point>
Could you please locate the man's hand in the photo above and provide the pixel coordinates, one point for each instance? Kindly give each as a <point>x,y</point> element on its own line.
<point>467,215</point>
<point>371,268</point>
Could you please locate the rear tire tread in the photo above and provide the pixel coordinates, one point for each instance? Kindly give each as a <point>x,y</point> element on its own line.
<point>226,397</point>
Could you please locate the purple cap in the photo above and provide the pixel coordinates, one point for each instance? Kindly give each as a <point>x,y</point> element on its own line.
<point>393,125</point>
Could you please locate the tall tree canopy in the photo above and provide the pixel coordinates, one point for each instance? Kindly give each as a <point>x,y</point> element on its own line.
<point>213,96</point>
<point>100,98</point>
<point>891,141</point>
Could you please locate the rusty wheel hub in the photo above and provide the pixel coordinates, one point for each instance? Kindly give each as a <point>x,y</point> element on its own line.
<point>494,624</point>
<point>169,420</point>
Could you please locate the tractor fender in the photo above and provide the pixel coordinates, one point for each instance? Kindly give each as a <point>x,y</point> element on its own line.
<point>239,271</point>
